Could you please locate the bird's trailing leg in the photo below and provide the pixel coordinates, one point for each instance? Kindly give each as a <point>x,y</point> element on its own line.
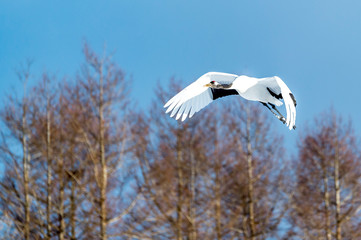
<point>280,116</point>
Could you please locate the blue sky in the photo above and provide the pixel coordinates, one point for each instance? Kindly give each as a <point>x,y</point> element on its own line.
<point>314,46</point>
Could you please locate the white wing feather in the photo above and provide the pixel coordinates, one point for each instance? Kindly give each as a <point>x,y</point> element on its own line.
<point>282,88</point>
<point>277,86</point>
<point>289,104</point>
<point>195,97</point>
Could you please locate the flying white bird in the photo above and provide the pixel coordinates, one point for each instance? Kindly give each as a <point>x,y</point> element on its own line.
<point>268,91</point>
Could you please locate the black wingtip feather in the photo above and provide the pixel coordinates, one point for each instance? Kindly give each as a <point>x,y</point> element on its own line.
<point>293,99</point>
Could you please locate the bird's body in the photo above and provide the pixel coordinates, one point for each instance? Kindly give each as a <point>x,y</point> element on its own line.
<point>255,89</point>
<point>214,85</point>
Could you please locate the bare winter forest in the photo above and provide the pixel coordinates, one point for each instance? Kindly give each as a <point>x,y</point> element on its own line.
<point>81,163</point>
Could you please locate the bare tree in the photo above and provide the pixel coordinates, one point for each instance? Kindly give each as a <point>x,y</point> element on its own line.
<point>49,142</point>
<point>43,124</point>
<point>17,199</point>
<point>26,159</point>
<point>168,156</point>
<point>326,202</point>
<point>105,135</point>
<point>257,177</point>
<point>76,135</point>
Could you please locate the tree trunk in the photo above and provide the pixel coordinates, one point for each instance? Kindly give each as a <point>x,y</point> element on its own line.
<point>218,204</point>
<point>25,176</point>
<point>327,206</point>
<point>193,233</point>
<point>179,190</point>
<point>218,192</point>
<point>61,199</point>
<point>72,210</point>
<point>49,175</point>
<point>250,182</point>
<point>103,182</point>
<point>337,192</point>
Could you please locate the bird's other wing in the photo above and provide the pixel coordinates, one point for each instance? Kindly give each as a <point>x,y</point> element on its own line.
<point>195,97</point>
<point>277,86</point>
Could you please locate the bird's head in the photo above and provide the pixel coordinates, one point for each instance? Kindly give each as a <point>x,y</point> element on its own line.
<point>213,84</point>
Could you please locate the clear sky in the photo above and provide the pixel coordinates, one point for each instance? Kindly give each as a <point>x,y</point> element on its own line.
<point>313,45</point>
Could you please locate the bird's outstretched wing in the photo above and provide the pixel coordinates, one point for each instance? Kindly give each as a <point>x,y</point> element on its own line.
<point>280,89</point>
<point>195,97</point>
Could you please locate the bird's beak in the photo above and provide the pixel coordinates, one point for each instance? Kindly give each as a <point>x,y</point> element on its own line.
<point>207,85</point>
